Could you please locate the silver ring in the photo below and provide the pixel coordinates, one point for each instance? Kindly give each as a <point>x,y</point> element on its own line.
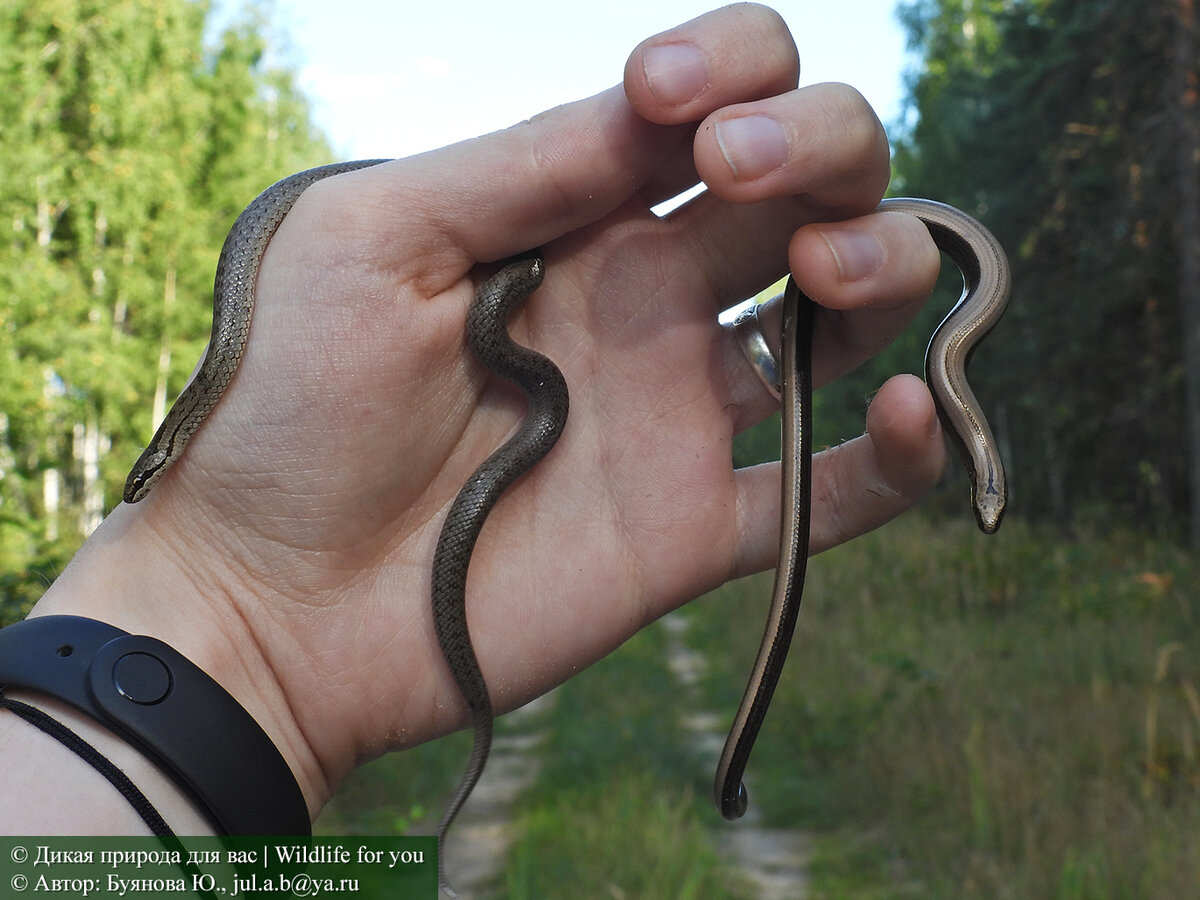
<point>743,321</point>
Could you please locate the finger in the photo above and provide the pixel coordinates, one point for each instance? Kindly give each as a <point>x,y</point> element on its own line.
<point>870,277</point>
<point>494,196</point>
<point>857,486</point>
<point>685,73</point>
<point>588,158</point>
<point>527,185</point>
<point>832,167</point>
<point>669,78</point>
<point>780,146</point>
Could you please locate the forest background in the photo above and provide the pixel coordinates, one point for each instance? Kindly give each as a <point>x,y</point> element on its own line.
<point>1016,716</point>
<point>1070,127</point>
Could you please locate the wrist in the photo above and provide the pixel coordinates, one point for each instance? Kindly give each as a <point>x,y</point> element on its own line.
<point>52,789</point>
<point>126,577</point>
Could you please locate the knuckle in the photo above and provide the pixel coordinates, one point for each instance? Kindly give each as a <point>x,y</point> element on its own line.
<point>845,112</point>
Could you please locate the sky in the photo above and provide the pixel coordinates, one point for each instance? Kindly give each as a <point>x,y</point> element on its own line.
<point>389,78</point>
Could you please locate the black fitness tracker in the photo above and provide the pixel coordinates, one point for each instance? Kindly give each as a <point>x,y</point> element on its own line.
<point>168,709</point>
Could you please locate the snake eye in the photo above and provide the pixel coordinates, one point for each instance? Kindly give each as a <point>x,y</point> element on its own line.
<point>136,487</point>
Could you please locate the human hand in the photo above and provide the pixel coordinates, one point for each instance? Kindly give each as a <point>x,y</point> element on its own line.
<point>289,552</point>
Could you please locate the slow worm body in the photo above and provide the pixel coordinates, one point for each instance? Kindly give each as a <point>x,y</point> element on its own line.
<point>986,287</point>
<point>796,462</point>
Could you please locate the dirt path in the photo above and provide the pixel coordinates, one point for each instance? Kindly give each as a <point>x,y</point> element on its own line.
<point>768,863</point>
<point>479,841</point>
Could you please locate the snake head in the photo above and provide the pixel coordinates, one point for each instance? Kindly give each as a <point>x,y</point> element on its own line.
<point>988,499</point>
<point>145,472</point>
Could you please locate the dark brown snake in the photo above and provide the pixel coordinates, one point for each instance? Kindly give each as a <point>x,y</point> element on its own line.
<point>546,393</point>
<point>968,244</point>
<point>486,335</point>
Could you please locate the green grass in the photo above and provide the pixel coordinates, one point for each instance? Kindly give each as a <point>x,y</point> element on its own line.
<point>626,837</point>
<point>402,793</point>
<point>988,717</point>
<point>961,717</point>
<point>615,811</point>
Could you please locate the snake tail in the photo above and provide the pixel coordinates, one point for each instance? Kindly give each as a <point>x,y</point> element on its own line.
<point>729,790</point>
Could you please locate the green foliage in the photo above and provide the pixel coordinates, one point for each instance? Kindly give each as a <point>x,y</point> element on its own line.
<point>983,717</point>
<point>1057,122</point>
<point>129,147</point>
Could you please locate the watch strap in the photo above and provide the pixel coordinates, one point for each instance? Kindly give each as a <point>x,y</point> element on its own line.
<point>170,710</point>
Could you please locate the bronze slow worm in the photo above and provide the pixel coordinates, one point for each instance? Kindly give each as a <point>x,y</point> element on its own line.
<point>796,462</point>
<point>985,295</point>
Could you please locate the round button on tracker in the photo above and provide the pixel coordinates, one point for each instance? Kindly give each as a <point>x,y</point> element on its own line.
<point>142,678</point>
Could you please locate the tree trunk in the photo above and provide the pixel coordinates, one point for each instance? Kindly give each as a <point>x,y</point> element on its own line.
<point>164,353</point>
<point>1188,181</point>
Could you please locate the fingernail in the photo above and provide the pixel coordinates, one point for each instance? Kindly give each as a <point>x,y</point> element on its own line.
<point>859,254</point>
<point>753,146</point>
<point>675,72</point>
